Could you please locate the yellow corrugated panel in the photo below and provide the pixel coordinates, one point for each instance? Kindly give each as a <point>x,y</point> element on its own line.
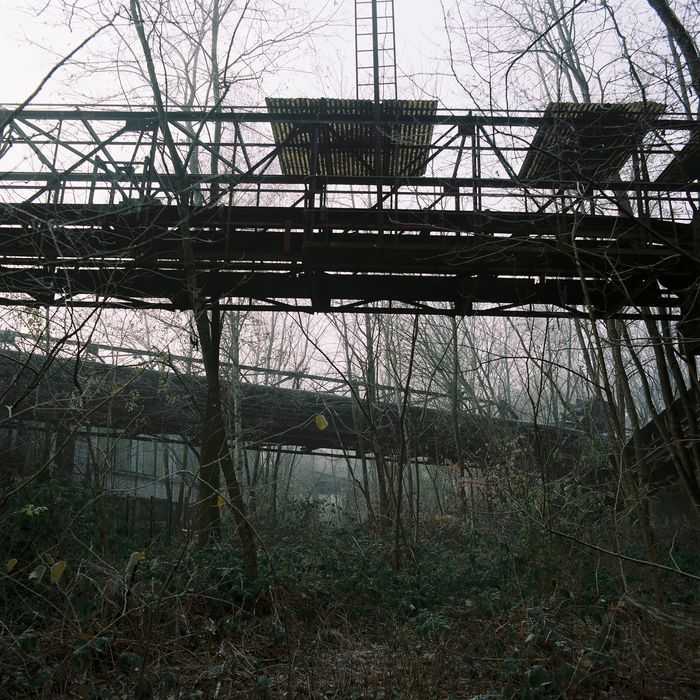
<point>346,136</point>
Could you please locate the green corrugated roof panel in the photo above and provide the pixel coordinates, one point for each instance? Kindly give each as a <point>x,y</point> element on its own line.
<point>346,142</point>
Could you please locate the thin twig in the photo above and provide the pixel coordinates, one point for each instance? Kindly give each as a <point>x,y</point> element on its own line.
<point>12,114</point>
<point>617,555</point>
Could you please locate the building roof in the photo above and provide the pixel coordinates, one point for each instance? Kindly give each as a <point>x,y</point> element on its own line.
<point>346,143</point>
<point>587,141</point>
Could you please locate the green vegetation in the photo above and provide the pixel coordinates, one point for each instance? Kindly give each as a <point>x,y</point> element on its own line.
<point>499,609</point>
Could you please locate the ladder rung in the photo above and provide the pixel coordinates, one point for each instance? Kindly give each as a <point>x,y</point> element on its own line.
<point>381,16</point>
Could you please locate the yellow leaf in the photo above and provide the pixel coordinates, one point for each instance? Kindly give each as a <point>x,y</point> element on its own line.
<point>57,571</point>
<point>134,560</point>
<point>11,563</point>
<point>38,573</point>
<point>321,422</point>
<point>50,559</point>
<point>220,502</point>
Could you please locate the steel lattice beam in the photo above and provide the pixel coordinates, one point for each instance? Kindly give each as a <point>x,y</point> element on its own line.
<point>89,215</point>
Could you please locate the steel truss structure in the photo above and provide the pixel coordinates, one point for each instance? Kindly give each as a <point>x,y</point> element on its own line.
<point>577,210</point>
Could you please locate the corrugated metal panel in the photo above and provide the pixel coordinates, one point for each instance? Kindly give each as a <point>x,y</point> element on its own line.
<point>346,136</point>
<point>685,166</point>
<point>587,141</point>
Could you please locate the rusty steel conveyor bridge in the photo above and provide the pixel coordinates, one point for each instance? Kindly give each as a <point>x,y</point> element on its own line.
<point>332,205</point>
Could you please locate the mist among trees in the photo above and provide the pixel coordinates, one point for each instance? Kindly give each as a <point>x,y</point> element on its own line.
<point>473,480</point>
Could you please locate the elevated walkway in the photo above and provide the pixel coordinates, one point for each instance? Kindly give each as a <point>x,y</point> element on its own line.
<point>325,205</point>
<point>136,401</point>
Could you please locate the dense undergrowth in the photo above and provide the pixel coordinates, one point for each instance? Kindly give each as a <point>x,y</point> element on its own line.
<point>490,610</point>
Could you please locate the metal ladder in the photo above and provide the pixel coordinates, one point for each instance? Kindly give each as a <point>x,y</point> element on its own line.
<point>375,50</point>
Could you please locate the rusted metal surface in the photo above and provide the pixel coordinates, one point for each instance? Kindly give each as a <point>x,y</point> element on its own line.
<point>296,215</point>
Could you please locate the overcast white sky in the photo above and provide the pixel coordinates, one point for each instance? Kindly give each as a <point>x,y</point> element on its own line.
<point>30,45</point>
<point>323,65</point>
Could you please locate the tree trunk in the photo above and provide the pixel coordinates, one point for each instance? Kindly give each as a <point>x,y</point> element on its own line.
<point>208,526</point>
<point>683,39</point>
<point>461,489</point>
<point>216,452</point>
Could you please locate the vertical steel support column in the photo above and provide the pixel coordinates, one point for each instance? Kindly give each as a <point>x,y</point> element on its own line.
<point>637,175</point>
<point>476,169</point>
<point>152,176</point>
<point>310,204</point>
